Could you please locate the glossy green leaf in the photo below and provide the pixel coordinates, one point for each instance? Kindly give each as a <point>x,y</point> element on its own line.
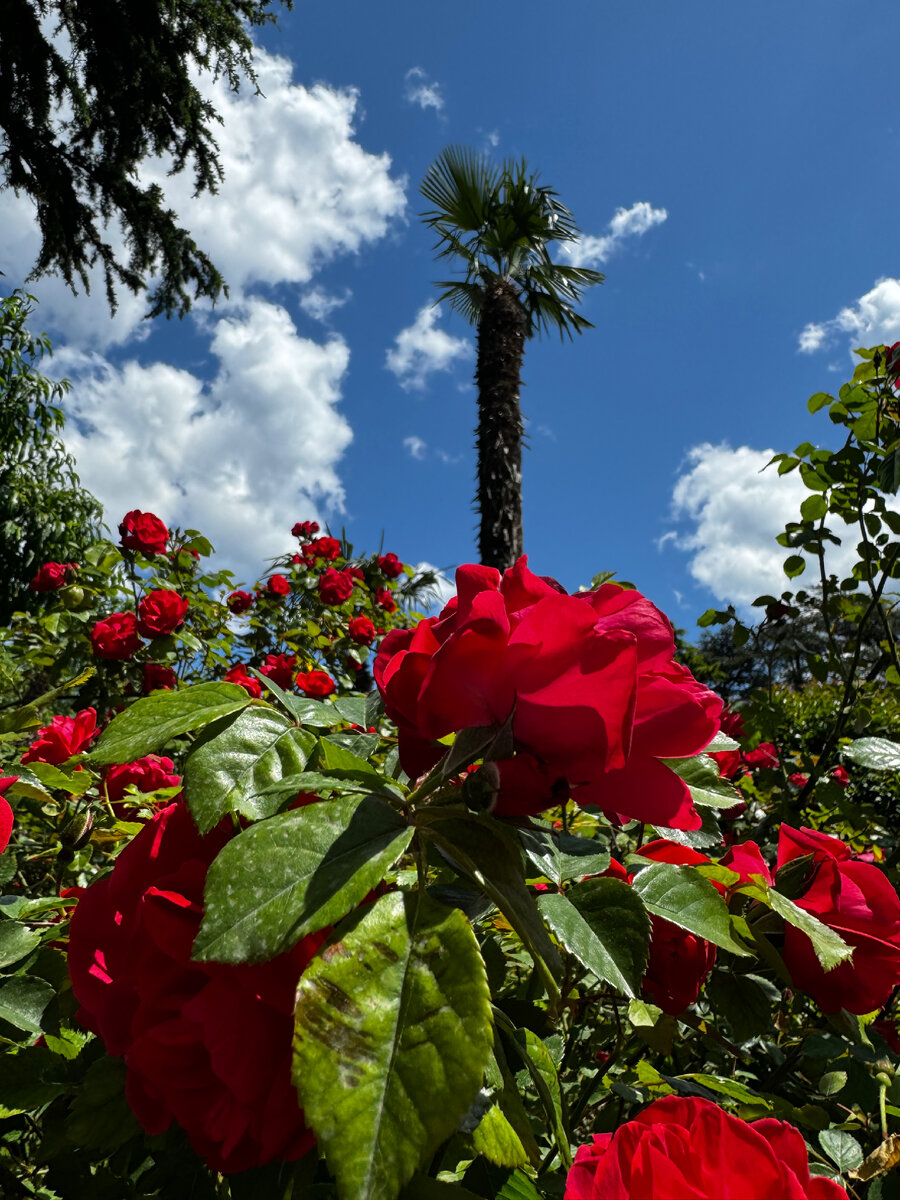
<point>234,761</point>
<point>496,1139</point>
<point>843,1149</point>
<point>16,941</point>
<point>392,1036</point>
<point>294,874</point>
<point>561,856</point>
<point>830,947</point>
<point>874,753</point>
<point>23,999</point>
<point>604,924</point>
<point>537,1060</point>
<point>353,709</point>
<point>681,896</point>
<point>707,787</point>
<point>150,723</point>
<point>332,759</point>
<point>76,783</point>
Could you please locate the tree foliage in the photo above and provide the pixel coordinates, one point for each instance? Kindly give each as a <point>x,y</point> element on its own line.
<point>45,513</point>
<point>88,90</point>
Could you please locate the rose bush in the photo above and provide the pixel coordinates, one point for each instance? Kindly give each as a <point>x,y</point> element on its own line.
<point>688,1149</point>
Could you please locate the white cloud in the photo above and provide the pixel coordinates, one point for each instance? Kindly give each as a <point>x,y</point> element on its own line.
<point>593,251</point>
<point>422,348</point>
<point>320,304</point>
<point>872,320</point>
<point>240,458</point>
<point>298,190</point>
<point>423,91</point>
<point>415,446</point>
<point>736,513</point>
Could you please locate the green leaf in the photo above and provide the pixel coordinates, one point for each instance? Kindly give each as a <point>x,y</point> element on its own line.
<point>876,754</point>
<point>681,896</point>
<point>832,1082</point>
<point>830,947</point>
<point>101,1118</point>
<point>643,1015</point>
<point>843,1150</point>
<point>392,1036</point>
<point>701,774</point>
<point>151,722</point>
<point>496,1139</point>
<point>30,1079</point>
<point>23,999</point>
<point>729,1087</point>
<point>294,874</point>
<point>889,472</point>
<point>814,507</point>
<point>819,400</point>
<point>603,923</point>
<point>794,565</point>
<point>489,856</point>
<point>234,761</point>
<point>721,742</point>
<point>76,783</point>
<point>16,941</point>
<point>561,857</point>
<point>353,709</point>
<point>537,1060</point>
<point>343,764</point>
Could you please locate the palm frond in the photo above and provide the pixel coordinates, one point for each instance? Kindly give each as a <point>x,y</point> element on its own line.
<point>461,185</point>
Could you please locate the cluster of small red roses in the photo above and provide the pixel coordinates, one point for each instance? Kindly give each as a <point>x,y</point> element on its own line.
<point>335,586</point>
<point>764,756</point>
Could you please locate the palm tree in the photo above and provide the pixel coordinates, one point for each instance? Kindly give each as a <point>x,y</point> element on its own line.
<point>498,222</point>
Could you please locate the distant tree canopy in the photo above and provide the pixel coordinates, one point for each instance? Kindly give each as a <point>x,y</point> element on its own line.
<point>89,89</point>
<point>45,513</point>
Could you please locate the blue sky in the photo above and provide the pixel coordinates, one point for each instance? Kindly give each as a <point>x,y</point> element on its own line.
<point>735,176</point>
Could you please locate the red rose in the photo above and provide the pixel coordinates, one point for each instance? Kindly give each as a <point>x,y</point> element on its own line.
<point>356,573</point>
<point>857,901</point>
<point>6,813</point>
<point>280,669</point>
<point>205,1044</point>
<point>384,598</point>
<point>52,576</point>
<point>302,529</point>
<point>390,565</point>
<point>238,602</point>
<point>335,586</point>
<point>361,630</point>
<point>798,779</point>
<point>238,674</point>
<point>730,761</point>
<point>595,695</point>
<point>324,547</point>
<point>277,587</point>
<point>143,531</point>
<point>62,738</point>
<point>158,678</point>
<point>681,1148</point>
<point>315,683</point>
<point>746,859</point>
<point>161,612</point>
<point>679,961</point>
<point>765,755</point>
<point>116,637</point>
<point>840,776</point>
<point>145,774</point>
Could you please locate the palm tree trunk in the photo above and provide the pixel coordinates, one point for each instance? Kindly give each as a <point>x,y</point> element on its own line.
<point>501,349</point>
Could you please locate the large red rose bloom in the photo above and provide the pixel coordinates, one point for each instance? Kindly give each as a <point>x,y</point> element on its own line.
<point>682,1148</point>
<point>590,681</point>
<point>206,1044</point>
